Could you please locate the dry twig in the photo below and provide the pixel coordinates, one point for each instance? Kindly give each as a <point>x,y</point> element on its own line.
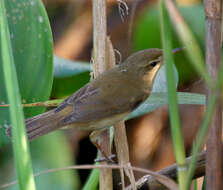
<point>162,179</point>
<point>149,182</point>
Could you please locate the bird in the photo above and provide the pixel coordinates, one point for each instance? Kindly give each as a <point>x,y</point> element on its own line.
<point>103,101</point>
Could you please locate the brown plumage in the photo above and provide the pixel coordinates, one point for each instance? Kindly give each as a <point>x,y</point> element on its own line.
<point>105,100</point>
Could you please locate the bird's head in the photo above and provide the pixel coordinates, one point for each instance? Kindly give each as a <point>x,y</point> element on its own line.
<point>146,63</point>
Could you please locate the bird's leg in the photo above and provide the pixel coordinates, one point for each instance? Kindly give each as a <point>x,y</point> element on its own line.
<point>94,139</point>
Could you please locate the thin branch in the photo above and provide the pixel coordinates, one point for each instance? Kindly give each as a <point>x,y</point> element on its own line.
<point>163,179</point>
<point>149,182</point>
<point>49,103</point>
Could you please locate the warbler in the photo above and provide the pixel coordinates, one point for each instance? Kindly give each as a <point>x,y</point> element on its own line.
<point>105,100</point>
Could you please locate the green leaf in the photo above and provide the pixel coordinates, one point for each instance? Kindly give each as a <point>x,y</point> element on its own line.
<point>72,73</point>
<point>92,181</point>
<point>46,154</point>
<point>31,39</point>
<point>66,68</point>
<point>44,151</point>
<point>63,87</point>
<point>158,99</point>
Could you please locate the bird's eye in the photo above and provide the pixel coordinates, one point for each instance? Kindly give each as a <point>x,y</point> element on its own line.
<point>154,63</point>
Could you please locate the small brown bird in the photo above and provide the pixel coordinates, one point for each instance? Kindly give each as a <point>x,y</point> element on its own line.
<point>105,100</point>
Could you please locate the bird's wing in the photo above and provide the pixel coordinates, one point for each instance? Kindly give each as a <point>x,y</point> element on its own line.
<point>88,106</point>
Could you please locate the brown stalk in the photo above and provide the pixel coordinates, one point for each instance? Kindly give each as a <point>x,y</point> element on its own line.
<point>122,149</point>
<point>120,137</point>
<point>131,21</point>
<point>213,13</point>
<point>99,66</point>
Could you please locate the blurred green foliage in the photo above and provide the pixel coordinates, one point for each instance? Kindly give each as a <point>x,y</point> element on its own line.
<point>147,35</point>
<point>69,76</point>
<point>31,40</point>
<point>51,151</point>
<point>32,46</point>
<point>63,87</point>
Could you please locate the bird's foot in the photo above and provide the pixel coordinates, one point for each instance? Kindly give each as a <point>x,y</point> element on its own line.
<point>108,159</point>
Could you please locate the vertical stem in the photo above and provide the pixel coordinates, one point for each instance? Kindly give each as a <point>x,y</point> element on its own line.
<point>122,149</point>
<point>172,99</point>
<point>131,22</point>
<point>99,43</point>
<point>213,11</point>
<point>99,35</point>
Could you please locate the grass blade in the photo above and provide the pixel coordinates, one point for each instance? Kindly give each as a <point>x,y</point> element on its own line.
<point>20,145</point>
<point>172,98</point>
<point>187,38</point>
<point>92,181</point>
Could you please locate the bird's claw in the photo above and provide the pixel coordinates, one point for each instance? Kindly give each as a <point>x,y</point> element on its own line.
<point>108,159</point>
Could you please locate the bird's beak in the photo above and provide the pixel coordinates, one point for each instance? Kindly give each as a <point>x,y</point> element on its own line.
<point>176,50</point>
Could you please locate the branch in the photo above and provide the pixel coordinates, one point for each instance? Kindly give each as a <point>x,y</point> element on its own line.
<point>163,179</point>
<point>149,182</point>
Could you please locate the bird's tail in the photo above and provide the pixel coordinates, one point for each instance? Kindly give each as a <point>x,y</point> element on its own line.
<point>40,124</point>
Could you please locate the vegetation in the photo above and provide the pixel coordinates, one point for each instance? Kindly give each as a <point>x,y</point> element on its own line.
<point>34,76</point>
